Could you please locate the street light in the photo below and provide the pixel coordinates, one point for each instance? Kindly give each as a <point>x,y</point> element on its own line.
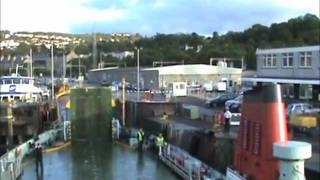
<point>138,72</point>
<point>52,72</point>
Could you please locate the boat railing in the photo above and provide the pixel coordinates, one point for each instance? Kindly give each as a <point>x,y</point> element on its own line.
<point>186,165</point>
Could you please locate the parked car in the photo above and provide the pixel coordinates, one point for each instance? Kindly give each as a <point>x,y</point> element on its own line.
<point>300,108</point>
<point>237,100</point>
<point>235,108</point>
<point>219,100</point>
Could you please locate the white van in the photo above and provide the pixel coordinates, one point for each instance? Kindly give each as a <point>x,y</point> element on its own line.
<point>179,89</point>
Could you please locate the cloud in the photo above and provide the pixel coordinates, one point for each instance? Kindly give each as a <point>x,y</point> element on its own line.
<point>149,16</point>
<point>52,16</point>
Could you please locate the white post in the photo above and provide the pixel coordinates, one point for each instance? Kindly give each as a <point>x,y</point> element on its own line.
<point>138,75</point>
<point>52,72</point>
<point>31,71</point>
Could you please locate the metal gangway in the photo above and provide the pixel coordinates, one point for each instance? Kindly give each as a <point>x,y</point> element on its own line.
<point>188,167</point>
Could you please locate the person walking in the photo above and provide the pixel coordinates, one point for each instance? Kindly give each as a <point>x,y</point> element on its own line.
<point>140,136</point>
<point>39,161</point>
<point>160,143</point>
<point>227,117</point>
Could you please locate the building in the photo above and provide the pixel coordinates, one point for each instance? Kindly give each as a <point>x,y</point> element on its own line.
<point>120,55</point>
<point>161,77</point>
<point>39,61</point>
<point>148,79</point>
<point>297,69</point>
<point>199,73</point>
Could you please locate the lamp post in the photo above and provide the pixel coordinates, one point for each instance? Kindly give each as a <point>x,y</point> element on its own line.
<point>138,72</point>
<point>52,72</point>
<point>79,70</point>
<point>64,63</point>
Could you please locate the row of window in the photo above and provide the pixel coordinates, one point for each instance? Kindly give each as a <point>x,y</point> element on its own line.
<point>14,81</point>
<point>305,91</point>
<point>269,60</point>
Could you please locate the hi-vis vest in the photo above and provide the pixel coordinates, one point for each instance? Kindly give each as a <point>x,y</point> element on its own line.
<point>140,135</point>
<point>160,141</point>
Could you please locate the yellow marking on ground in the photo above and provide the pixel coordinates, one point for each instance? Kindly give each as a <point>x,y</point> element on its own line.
<point>58,148</point>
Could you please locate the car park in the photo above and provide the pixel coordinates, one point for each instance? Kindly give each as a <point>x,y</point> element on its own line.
<point>300,108</point>
<point>237,100</point>
<point>219,100</point>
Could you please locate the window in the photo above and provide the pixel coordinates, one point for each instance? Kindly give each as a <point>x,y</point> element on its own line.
<point>8,81</point>
<point>269,60</point>
<point>16,81</point>
<point>25,81</point>
<point>305,91</point>
<point>305,59</point>
<point>287,59</point>
<point>287,90</point>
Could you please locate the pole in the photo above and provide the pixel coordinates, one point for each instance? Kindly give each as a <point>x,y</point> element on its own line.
<point>31,71</point>
<point>242,63</point>
<point>70,70</point>
<point>138,74</point>
<point>64,63</point>
<point>10,124</point>
<point>52,73</point>
<point>79,67</point>
<point>123,101</point>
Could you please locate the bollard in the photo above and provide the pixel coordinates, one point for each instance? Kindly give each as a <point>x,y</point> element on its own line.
<point>292,155</point>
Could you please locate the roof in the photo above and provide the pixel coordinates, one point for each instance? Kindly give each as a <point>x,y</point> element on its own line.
<point>289,49</point>
<point>102,69</point>
<point>282,80</point>
<point>191,69</point>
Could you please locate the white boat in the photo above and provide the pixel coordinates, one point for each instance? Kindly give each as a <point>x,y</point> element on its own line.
<point>20,88</point>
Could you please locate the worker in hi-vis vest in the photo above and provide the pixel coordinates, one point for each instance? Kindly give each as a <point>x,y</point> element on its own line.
<point>160,143</point>
<point>140,137</point>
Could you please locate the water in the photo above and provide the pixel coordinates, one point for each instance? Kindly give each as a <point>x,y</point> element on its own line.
<point>117,163</point>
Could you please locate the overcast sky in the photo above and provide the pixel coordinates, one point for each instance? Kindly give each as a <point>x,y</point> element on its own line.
<point>148,17</point>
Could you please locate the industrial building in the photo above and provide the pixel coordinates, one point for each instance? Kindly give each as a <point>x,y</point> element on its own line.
<point>161,77</point>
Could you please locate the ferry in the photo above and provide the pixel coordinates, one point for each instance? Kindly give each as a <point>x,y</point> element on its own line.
<point>20,88</point>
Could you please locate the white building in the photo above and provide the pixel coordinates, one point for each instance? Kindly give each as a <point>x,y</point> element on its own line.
<point>11,44</point>
<point>200,73</point>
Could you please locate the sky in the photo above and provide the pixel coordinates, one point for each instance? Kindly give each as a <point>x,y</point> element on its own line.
<point>148,17</point>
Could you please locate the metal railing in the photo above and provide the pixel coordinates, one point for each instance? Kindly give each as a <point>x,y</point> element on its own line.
<point>11,162</point>
<point>187,166</point>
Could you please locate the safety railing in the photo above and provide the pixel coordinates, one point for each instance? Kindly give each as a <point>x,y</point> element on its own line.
<point>186,165</point>
<point>11,162</point>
